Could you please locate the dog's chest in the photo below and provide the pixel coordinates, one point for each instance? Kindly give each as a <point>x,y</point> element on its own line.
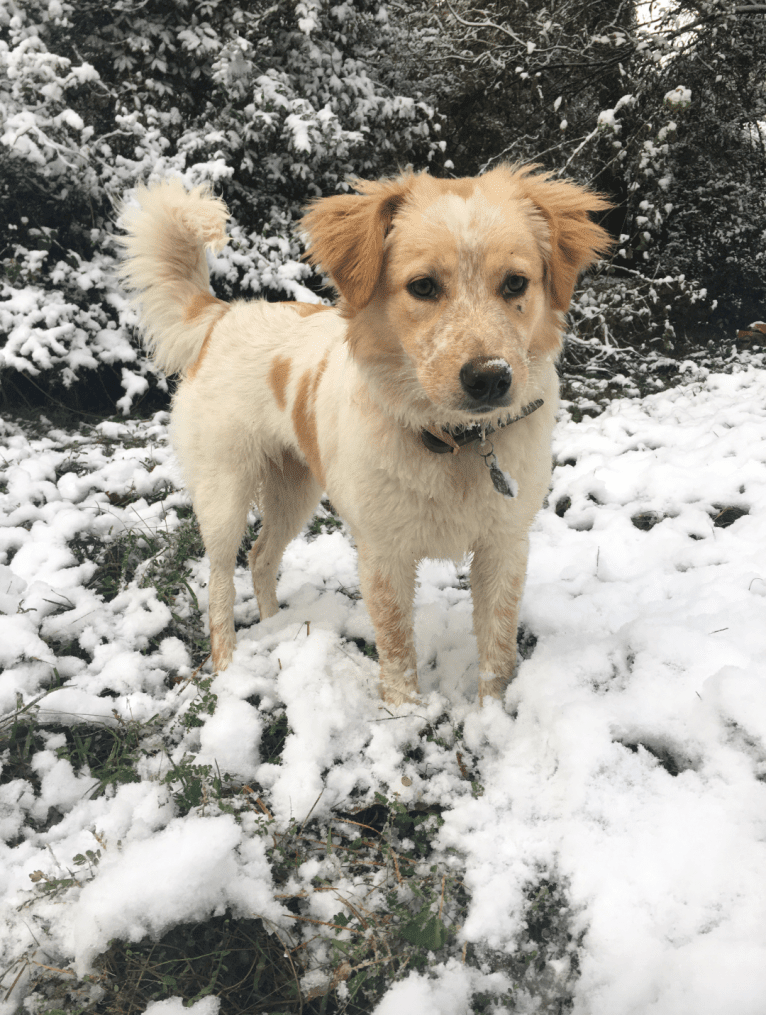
<point>424,505</point>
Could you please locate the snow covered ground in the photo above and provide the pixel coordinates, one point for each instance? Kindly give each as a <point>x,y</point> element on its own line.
<point>628,763</point>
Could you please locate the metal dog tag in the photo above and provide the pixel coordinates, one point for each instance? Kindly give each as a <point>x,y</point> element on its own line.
<point>505,484</point>
<point>502,482</point>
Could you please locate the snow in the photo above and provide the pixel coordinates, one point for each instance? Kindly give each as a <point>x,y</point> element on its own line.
<point>175,1006</point>
<point>607,118</point>
<point>628,760</point>
<point>122,902</point>
<point>448,992</point>
<point>680,96</point>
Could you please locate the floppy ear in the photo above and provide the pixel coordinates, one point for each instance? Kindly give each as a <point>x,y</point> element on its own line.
<point>347,234</point>
<point>575,240</point>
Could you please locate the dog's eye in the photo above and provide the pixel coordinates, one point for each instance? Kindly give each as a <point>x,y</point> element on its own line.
<point>423,288</point>
<point>515,285</point>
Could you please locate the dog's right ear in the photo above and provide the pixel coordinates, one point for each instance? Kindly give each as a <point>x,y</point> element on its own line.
<point>347,234</point>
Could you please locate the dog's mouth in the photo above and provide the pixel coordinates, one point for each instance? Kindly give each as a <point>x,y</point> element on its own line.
<point>484,410</point>
<point>481,415</point>
<point>468,413</point>
<point>458,419</point>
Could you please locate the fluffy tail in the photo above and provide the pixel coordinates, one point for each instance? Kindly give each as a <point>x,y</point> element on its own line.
<point>165,268</point>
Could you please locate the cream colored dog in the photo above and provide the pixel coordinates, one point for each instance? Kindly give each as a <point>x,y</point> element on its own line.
<point>423,403</point>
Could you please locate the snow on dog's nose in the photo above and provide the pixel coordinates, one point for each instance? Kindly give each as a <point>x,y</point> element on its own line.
<point>487,382</point>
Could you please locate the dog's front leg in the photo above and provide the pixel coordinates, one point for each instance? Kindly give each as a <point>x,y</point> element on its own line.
<point>388,588</point>
<point>497,583</point>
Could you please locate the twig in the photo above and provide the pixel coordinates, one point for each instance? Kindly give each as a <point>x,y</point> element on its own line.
<point>353,909</point>
<point>289,958</point>
<point>261,804</point>
<point>311,811</point>
<point>396,864</point>
<point>18,977</point>
<point>323,923</point>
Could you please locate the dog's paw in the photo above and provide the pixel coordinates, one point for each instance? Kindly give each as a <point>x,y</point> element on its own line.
<point>222,641</point>
<point>493,687</point>
<point>399,690</point>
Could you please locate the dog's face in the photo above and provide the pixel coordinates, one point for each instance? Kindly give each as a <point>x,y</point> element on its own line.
<point>465,279</point>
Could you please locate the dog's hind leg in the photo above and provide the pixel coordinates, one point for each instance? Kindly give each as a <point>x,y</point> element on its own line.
<point>388,588</point>
<point>287,498</point>
<point>221,504</point>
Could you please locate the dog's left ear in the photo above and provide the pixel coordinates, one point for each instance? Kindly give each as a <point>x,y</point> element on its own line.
<point>347,233</point>
<point>575,240</point>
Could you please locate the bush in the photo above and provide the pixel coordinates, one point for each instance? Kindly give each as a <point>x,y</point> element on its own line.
<point>272,104</point>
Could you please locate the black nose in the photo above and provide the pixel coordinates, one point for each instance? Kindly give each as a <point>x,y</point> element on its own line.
<point>487,380</point>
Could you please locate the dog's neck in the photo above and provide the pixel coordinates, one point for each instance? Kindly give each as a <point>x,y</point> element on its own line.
<point>443,441</point>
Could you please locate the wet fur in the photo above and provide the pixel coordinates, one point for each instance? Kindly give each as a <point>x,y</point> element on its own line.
<point>278,402</point>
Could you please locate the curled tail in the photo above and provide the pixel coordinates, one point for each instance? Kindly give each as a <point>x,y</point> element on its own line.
<point>166,270</point>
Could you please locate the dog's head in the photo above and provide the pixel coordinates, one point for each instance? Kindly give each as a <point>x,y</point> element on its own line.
<point>465,281</point>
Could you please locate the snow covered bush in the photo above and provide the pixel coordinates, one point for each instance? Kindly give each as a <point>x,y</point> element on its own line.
<point>625,308</point>
<point>273,104</point>
<point>689,155</point>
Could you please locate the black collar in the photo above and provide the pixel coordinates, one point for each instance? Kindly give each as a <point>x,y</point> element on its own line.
<point>455,441</point>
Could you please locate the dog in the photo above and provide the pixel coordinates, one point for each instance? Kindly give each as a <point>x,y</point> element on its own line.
<point>423,403</point>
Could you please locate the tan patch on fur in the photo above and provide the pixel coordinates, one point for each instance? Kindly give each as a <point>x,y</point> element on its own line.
<point>370,336</point>
<point>547,337</point>
<point>279,375</point>
<point>575,240</point>
<point>220,651</point>
<point>347,233</point>
<point>196,306</point>
<point>463,187</point>
<point>304,309</point>
<point>191,372</point>
<point>199,303</point>
<point>304,419</point>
